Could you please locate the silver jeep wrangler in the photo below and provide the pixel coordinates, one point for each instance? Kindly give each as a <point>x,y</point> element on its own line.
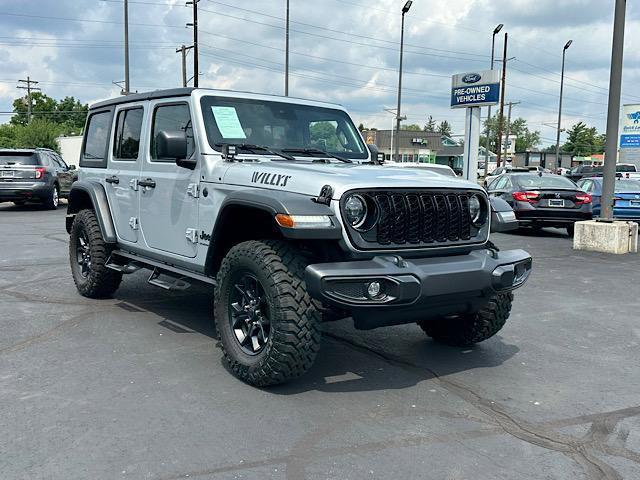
<point>279,206</point>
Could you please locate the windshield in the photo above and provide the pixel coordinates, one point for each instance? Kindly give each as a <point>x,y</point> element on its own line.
<point>626,168</point>
<point>626,186</point>
<point>16,158</point>
<point>279,125</point>
<point>544,181</point>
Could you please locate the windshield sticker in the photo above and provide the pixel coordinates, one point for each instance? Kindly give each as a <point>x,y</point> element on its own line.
<point>228,122</point>
<point>270,179</point>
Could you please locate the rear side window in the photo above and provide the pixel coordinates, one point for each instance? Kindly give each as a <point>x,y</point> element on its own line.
<point>173,117</point>
<point>15,158</point>
<point>126,145</point>
<point>96,140</point>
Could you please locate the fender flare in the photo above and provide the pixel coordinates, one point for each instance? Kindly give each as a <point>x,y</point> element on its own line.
<point>275,202</point>
<point>81,194</point>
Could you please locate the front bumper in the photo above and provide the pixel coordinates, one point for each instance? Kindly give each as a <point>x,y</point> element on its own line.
<point>417,289</point>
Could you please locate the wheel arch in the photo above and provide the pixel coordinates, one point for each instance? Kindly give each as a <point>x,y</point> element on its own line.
<point>91,195</point>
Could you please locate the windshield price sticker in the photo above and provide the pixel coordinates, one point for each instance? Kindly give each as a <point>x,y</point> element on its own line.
<point>228,122</point>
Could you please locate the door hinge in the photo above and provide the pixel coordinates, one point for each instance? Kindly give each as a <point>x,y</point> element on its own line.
<point>134,223</point>
<point>194,190</point>
<point>133,183</point>
<point>192,235</point>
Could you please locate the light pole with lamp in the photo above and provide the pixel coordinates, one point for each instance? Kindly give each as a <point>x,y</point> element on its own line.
<point>486,143</point>
<point>564,51</point>
<point>405,9</point>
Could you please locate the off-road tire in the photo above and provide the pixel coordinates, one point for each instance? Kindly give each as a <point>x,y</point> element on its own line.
<point>101,282</point>
<point>53,200</point>
<point>465,330</point>
<point>294,339</point>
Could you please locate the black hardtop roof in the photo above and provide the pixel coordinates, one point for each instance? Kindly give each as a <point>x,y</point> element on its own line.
<point>138,97</point>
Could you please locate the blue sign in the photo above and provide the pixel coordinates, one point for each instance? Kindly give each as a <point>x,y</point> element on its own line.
<point>475,89</point>
<point>629,141</point>
<point>475,95</point>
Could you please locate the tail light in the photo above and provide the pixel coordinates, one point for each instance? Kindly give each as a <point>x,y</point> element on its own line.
<point>526,196</point>
<point>583,199</point>
<point>40,171</point>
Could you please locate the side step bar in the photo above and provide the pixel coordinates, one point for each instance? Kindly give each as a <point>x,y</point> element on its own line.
<point>157,268</point>
<point>130,267</point>
<point>178,284</point>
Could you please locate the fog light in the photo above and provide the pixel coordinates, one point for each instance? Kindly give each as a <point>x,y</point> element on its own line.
<point>373,289</point>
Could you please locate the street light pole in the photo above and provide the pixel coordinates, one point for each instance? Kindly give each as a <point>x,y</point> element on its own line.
<point>486,143</point>
<point>615,86</point>
<point>503,88</point>
<point>286,56</point>
<point>194,24</point>
<point>405,9</point>
<point>564,51</point>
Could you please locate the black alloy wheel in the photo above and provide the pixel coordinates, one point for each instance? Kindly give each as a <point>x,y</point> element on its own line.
<point>249,313</point>
<point>83,254</point>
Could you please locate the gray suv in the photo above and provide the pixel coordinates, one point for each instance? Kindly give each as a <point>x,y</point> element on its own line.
<point>34,175</point>
<point>279,205</point>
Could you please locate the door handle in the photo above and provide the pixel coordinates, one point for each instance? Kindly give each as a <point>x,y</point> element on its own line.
<point>148,183</point>
<point>112,179</point>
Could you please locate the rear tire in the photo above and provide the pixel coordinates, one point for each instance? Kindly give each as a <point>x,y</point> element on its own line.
<point>88,254</point>
<point>465,330</point>
<point>276,338</point>
<point>53,200</point>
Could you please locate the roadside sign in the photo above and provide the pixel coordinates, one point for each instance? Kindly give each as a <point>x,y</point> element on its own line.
<point>630,134</point>
<point>475,89</point>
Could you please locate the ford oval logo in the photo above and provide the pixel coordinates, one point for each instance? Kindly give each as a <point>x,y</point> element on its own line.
<point>472,78</point>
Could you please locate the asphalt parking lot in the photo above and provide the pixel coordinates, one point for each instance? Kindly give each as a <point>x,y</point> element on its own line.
<point>134,387</point>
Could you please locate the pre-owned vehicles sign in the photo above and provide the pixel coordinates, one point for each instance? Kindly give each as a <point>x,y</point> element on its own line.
<point>475,89</point>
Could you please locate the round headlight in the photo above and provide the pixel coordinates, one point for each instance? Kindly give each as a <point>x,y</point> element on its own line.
<point>476,211</point>
<point>355,210</point>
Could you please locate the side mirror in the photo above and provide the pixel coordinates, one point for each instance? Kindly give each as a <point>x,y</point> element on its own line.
<point>72,167</point>
<point>503,218</point>
<point>173,144</point>
<point>376,155</point>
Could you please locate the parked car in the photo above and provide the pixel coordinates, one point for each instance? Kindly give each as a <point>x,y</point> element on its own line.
<point>511,169</point>
<point>288,224</point>
<point>445,170</point>
<point>543,200</point>
<point>626,200</point>
<point>34,175</point>
<point>623,170</point>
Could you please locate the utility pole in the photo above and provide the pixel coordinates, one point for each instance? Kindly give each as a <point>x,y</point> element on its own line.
<point>613,114</point>
<point>286,56</point>
<point>127,85</point>
<point>502,90</point>
<point>195,41</point>
<point>506,138</point>
<point>29,89</point>
<point>184,49</point>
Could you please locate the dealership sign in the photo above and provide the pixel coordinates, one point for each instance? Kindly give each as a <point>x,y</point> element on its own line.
<point>630,134</point>
<point>475,89</point>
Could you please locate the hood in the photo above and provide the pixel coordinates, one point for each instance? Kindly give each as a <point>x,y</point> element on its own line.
<point>308,178</point>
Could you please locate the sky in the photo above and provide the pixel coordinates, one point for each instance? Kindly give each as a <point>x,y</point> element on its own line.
<point>342,51</point>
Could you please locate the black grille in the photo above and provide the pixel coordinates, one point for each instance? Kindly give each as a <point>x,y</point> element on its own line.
<point>412,218</point>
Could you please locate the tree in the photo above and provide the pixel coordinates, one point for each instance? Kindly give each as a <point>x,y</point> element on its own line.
<point>526,139</point>
<point>413,127</point>
<point>430,126</point>
<point>444,129</point>
<point>68,111</point>
<point>584,141</point>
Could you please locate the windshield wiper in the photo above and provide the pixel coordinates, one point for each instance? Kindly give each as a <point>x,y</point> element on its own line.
<point>316,152</point>
<point>256,148</point>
